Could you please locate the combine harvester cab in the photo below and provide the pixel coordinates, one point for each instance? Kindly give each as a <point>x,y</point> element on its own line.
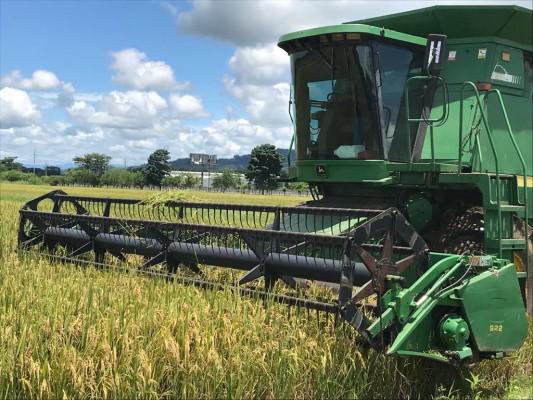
<point>415,224</point>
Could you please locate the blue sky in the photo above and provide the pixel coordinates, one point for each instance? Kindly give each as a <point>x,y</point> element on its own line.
<point>128,77</point>
<point>74,40</point>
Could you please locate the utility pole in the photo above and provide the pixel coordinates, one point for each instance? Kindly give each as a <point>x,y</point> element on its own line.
<point>33,162</point>
<point>208,175</point>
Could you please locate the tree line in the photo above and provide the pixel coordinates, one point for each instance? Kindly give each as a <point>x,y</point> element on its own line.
<point>93,169</point>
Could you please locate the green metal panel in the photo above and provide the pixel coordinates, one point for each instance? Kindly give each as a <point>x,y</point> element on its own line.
<point>483,62</point>
<point>495,311</point>
<point>419,211</point>
<point>331,225</point>
<point>353,28</point>
<point>520,116</point>
<point>371,171</point>
<point>430,312</point>
<point>508,22</point>
<point>507,67</point>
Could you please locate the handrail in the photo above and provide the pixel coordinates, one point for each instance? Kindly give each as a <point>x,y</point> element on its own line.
<point>290,151</point>
<point>291,102</point>
<point>520,157</point>
<point>426,119</point>
<point>493,148</point>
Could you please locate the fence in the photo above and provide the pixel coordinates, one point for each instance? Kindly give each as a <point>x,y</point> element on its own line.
<point>277,192</point>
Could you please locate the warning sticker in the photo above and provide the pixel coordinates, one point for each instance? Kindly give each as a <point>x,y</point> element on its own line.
<point>451,55</point>
<point>500,74</point>
<point>481,54</point>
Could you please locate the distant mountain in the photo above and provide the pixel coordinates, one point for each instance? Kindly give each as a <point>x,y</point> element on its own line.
<point>237,162</point>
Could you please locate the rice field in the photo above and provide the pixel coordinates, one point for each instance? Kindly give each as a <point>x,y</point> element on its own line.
<point>70,332</point>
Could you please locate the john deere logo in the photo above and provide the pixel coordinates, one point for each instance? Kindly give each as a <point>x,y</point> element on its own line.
<point>321,170</point>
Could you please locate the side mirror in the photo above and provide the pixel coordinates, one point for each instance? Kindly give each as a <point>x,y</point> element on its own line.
<point>435,50</point>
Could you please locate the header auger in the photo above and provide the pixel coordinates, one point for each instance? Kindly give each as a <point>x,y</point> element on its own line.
<point>414,132</point>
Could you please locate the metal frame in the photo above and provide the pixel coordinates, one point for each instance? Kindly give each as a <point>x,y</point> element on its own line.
<point>354,248</point>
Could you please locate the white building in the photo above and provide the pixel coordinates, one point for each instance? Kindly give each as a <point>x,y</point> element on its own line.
<point>207,176</point>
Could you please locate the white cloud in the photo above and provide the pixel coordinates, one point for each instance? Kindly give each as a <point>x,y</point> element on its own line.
<point>128,110</point>
<point>46,90</point>
<point>249,23</point>
<point>58,143</point>
<point>226,138</point>
<point>267,104</point>
<point>187,106</point>
<point>259,80</point>
<point>135,71</point>
<point>16,108</point>
<point>40,80</point>
<point>260,65</point>
<point>54,143</point>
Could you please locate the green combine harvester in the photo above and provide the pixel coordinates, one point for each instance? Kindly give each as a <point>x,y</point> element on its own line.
<point>414,132</point>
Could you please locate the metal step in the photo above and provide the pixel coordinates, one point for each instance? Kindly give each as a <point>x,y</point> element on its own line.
<point>520,210</point>
<point>508,244</point>
<point>511,244</point>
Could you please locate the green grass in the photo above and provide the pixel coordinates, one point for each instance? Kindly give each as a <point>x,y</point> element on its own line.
<point>69,332</point>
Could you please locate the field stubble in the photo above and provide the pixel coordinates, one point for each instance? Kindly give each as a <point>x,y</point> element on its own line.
<point>75,332</point>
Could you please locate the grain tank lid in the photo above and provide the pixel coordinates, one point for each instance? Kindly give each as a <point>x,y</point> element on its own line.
<point>506,22</point>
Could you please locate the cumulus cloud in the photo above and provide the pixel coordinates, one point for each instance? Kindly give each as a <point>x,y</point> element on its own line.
<point>259,80</point>
<point>187,107</point>
<point>55,143</point>
<point>40,80</point>
<point>227,137</point>
<point>266,104</point>
<point>128,110</point>
<point>66,97</point>
<point>260,64</point>
<point>45,89</point>
<point>58,143</point>
<point>16,108</point>
<point>250,23</point>
<point>135,71</point>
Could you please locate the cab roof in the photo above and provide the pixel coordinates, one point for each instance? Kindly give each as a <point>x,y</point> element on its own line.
<point>284,41</point>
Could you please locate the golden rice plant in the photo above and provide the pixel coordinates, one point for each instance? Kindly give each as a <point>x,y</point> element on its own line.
<point>76,332</point>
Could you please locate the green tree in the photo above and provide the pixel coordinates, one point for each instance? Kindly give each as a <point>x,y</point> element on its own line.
<point>298,186</point>
<point>158,167</point>
<point>14,175</point>
<point>173,181</point>
<point>81,176</point>
<point>55,180</point>
<point>118,177</point>
<point>190,181</point>
<point>96,163</point>
<point>264,167</point>
<point>227,179</point>
<point>9,164</point>
<point>137,179</point>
